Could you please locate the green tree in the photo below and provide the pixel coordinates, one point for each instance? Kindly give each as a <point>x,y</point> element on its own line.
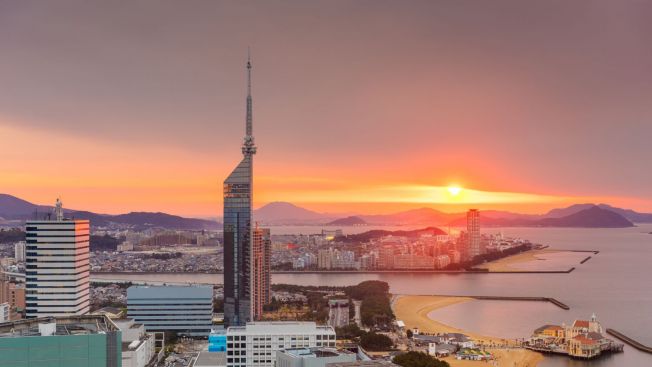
<point>376,342</point>
<point>418,359</point>
<point>349,332</point>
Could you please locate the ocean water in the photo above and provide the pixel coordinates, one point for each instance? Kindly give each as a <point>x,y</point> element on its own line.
<point>616,284</point>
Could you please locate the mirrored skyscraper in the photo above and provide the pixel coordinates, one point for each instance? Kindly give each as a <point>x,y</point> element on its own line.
<point>238,230</point>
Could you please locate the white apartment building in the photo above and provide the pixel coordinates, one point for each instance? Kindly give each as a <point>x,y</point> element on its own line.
<point>256,343</point>
<point>19,251</point>
<point>56,267</point>
<point>5,311</point>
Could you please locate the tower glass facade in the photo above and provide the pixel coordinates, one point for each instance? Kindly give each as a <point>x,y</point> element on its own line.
<point>238,231</point>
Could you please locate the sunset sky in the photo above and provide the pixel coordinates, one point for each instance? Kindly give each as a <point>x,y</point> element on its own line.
<point>359,106</point>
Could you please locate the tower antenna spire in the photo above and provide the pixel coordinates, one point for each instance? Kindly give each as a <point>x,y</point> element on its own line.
<point>249,148</point>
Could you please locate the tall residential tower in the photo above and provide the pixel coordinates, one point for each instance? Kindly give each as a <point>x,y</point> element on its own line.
<point>473,233</point>
<point>238,229</point>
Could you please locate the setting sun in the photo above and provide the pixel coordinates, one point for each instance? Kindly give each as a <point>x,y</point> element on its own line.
<point>454,190</point>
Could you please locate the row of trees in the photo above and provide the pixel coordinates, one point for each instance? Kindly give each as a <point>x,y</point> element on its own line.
<point>375,309</point>
<point>418,359</point>
<point>368,340</point>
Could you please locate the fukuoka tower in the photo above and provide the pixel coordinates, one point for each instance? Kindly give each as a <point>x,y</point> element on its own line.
<point>238,228</point>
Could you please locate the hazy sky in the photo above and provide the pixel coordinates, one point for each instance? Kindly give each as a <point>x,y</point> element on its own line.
<point>120,106</point>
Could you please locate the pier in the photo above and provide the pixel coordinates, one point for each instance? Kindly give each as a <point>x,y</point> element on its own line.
<point>630,341</point>
<point>585,260</point>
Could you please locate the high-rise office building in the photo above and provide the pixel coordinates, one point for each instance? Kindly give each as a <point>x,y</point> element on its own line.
<point>57,269</point>
<point>261,293</point>
<point>473,233</point>
<point>186,310</point>
<point>238,229</point>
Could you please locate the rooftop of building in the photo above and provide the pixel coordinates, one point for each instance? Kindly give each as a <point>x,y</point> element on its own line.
<point>109,310</point>
<point>547,327</point>
<point>581,323</point>
<point>49,326</point>
<point>170,291</point>
<point>210,359</point>
<point>316,352</point>
<point>280,327</point>
<point>54,221</point>
<point>372,363</point>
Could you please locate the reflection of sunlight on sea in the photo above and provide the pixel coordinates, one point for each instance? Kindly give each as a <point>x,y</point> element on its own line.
<point>503,319</point>
<point>552,261</point>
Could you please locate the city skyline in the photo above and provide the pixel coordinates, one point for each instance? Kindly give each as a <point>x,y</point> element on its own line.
<point>551,114</point>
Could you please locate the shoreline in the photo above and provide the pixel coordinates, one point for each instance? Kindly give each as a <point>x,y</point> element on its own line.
<point>506,264</point>
<point>414,310</point>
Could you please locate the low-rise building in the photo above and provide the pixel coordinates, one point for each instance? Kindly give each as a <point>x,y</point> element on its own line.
<point>414,262</point>
<point>5,312</point>
<point>80,341</point>
<point>256,343</point>
<point>210,359</point>
<point>442,350</point>
<point>312,357</point>
<point>138,346</point>
<point>371,363</point>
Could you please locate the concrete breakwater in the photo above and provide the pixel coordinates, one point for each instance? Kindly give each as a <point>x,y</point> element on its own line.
<point>630,341</point>
<point>554,301</point>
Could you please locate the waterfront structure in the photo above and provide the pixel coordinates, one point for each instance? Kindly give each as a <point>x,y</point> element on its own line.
<point>312,357</point>
<point>138,346</point>
<point>19,251</point>
<point>238,230</point>
<point>386,257</point>
<point>186,310</point>
<point>473,233</point>
<point>255,344</point>
<point>413,262</point>
<point>57,269</point>
<point>442,261</point>
<point>338,312</point>
<point>324,258</point>
<point>582,339</point>
<point>261,293</point>
<point>80,341</point>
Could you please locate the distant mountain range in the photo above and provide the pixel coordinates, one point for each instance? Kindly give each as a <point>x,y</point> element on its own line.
<point>579,215</point>
<point>15,210</point>
<point>282,213</point>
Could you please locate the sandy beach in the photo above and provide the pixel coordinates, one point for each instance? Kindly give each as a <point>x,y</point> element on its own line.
<point>508,263</point>
<point>414,310</point>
